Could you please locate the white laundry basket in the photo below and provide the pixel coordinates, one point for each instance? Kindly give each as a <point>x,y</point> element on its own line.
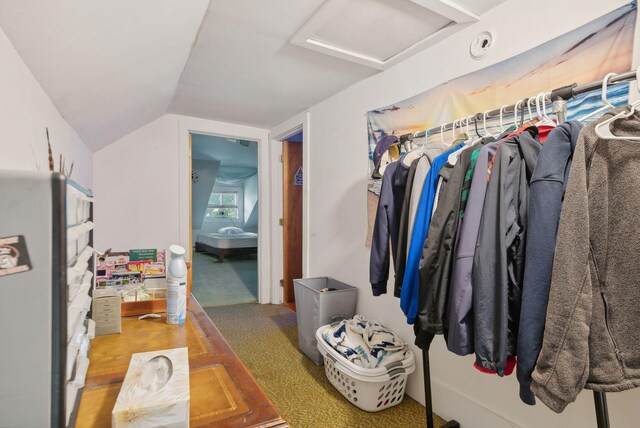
<point>369,389</point>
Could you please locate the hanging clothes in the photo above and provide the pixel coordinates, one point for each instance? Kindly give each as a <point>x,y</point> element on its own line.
<point>412,196</point>
<point>430,152</point>
<point>591,334</point>
<point>437,254</point>
<point>387,225</point>
<point>460,302</point>
<point>498,264</point>
<point>409,292</point>
<point>547,190</point>
<point>401,255</point>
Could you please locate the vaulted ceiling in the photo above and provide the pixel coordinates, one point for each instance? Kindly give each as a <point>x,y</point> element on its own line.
<point>113,66</point>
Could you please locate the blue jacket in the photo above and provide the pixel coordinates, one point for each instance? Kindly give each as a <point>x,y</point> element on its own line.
<point>547,188</point>
<point>410,284</point>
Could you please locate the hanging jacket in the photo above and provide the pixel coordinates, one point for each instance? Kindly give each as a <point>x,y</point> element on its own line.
<point>592,328</point>
<point>437,254</point>
<point>498,264</point>
<point>460,302</point>
<point>409,292</point>
<point>401,254</point>
<point>386,225</point>
<point>430,152</point>
<point>412,194</point>
<point>422,169</point>
<point>547,189</point>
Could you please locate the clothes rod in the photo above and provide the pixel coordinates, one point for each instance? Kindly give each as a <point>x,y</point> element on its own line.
<point>565,93</point>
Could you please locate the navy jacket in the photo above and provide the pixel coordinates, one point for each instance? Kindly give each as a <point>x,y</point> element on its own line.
<point>387,225</point>
<point>547,188</point>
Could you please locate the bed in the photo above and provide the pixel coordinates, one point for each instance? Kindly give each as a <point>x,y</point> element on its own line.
<point>223,244</point>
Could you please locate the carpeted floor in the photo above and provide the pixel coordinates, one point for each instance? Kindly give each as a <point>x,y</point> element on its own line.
<point>229,283</point>
<point>265,337</point>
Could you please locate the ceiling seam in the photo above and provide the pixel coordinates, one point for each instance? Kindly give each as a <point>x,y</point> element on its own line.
<point>193,45</point>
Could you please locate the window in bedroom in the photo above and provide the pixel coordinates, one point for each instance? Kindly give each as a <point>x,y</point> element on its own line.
<point>222,205</point>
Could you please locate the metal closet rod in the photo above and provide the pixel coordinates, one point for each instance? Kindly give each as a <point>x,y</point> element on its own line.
<point>564,93</point>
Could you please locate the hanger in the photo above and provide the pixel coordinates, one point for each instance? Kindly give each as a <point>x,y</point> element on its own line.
<point>603,96</point>
<point>545,120</point>
<point>515,113</point>
<point>484,124</point>
<point>502,128</point>
<point>603,129</point>
<point>461,134</point>
<point>426,142</point>
<point>521,105</point>
<point>538,110</point>
<point>529,108</point>
<point>453,130</point>
<point>476,119</point>
<point>411,153</point>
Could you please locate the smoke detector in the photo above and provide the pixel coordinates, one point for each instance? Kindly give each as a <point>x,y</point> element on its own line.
<point>481,44</point>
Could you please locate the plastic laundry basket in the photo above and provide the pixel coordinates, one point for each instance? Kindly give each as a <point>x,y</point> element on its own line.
<point>369,389</point>
<point>315,308</point>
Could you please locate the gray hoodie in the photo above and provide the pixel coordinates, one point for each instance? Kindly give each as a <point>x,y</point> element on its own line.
<point>592,328</point>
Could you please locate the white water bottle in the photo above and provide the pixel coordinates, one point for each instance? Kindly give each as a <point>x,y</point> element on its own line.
<point>176,286</point>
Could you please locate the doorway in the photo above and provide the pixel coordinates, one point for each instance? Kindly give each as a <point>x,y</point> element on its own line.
<point>224,220</point>
<point>292,194</point>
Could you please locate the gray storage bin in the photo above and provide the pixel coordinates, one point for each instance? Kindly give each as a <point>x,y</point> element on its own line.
<point>315,308</point>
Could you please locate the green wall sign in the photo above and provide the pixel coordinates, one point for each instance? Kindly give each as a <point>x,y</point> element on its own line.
<point>143,254</point>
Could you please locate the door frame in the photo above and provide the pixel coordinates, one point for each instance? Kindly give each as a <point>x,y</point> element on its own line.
<point>300,122</point>
<point>188,125</point>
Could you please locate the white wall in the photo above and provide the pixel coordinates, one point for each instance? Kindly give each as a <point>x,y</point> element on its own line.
<point>142,187</point>
<point>201,191</point>
<point>25,111</point>
<point>136,186</point>
<point>337,213</point>
<point>250,197</point>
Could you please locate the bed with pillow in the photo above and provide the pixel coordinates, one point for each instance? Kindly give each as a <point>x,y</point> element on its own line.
<point>228,241</point>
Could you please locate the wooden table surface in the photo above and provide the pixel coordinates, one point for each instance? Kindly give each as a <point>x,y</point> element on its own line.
<point>223,392</point>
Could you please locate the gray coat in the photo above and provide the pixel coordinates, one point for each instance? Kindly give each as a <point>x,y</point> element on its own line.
<point>592,329</point>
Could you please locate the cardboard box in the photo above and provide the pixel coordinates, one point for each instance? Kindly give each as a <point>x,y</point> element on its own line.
<point>155,391</point>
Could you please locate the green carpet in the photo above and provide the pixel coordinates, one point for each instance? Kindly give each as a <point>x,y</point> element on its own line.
<point>229,283</point>
<point>265,337</point>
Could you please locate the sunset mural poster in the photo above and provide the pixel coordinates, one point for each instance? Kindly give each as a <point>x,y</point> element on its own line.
<point>583,55</point>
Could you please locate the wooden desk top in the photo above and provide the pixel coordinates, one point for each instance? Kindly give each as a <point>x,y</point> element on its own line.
<point>223,392</point>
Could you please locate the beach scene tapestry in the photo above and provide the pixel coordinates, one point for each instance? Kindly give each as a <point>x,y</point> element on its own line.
<point>584,55</point>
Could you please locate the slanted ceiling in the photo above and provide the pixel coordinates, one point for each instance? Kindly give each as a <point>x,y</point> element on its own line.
<point>229,151</point>
<point>108,66</point>
<point>113,66</point>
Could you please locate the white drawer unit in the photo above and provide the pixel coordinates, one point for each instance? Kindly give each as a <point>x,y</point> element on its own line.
<point>48,219</point>
<point>80,330</point>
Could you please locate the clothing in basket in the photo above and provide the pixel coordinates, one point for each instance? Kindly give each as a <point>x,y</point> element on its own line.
<point>365,343</point>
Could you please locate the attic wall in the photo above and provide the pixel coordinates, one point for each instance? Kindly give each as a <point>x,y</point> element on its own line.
<point>25,112</point>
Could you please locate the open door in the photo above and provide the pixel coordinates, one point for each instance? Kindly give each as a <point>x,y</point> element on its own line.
<point>292,182</point>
